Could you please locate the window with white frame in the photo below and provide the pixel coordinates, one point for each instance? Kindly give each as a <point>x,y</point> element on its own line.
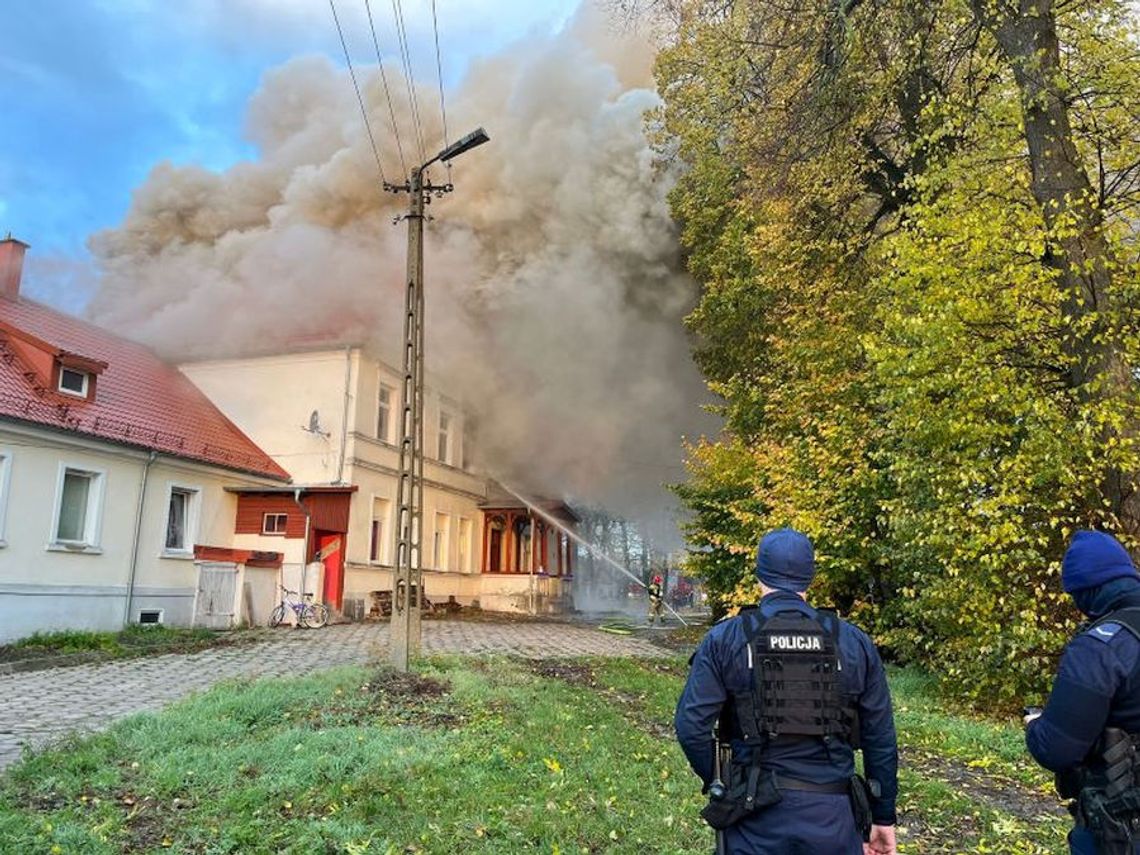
<point>181,519</point>
<point>274,523</point>
<point>464,545</point>
<point>384,413</point>
<point>444,437</point>
<point>439,542</point>
<point>77,511</point>
<point>74,382</point>
<point>5,475</point>
<point>379,532</point>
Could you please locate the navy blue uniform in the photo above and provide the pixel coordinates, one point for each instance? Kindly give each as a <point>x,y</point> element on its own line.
<point>802,822</point>
<point>1097,686</point>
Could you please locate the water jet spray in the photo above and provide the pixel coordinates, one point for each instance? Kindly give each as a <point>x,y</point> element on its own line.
<point>577,538</point>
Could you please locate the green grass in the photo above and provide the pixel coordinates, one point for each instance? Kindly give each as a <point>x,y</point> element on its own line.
<point>506,761</point>
<point>486,756</point>
<point>994,784</point>
<point>132,641</point>
<point>996,745</point>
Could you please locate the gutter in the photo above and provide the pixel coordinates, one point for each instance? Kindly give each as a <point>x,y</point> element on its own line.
<point>305,547</point>
<point>344,415</point>
<point>138,537</point>
<point>69,436</point>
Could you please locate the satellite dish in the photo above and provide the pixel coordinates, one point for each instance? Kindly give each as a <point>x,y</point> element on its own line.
<point>314,426</point>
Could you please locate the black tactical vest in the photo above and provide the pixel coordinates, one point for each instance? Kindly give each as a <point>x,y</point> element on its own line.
<point>795,667</point>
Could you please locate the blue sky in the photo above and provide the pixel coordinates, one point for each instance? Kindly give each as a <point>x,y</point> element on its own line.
<point>96,92</point>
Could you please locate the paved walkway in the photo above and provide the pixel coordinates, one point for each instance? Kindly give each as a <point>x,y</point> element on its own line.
<point>41,706</point>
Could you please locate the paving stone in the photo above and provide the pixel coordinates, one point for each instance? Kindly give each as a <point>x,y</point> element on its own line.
<point>40,707</point>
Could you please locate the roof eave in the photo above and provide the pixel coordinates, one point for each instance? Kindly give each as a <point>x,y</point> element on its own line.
<point>281,475</point>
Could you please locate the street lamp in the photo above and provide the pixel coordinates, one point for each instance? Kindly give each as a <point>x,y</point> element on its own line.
<point>474,139</point>
<point>407,592</point>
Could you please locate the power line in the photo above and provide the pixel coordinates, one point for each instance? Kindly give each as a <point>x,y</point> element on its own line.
<point>359,97</point>
<point>387,91</point>
<point>405,53</point>
<point>439,69</point>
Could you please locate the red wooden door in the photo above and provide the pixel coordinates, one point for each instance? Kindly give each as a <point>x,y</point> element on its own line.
<point>328,548</point>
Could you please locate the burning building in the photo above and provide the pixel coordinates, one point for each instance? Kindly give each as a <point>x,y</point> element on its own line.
<point>330,417</point>
<point>132,491</point>
<point>556,293</point>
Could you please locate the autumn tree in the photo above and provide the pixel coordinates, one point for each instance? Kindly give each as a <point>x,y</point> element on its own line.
<point>914,229</point>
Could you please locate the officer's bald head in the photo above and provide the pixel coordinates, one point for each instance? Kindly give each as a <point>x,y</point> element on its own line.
<point>785,560</point>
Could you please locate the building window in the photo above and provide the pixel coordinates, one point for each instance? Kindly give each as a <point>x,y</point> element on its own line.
<point>376,550</point>
<point>384,414</point>
<point>77,513</point>
<point>464,545</point>
<point>180,519</point>
<point>274,523</point>
<point>439,542</point>
<point>444,437</point>
<point>74,382</point>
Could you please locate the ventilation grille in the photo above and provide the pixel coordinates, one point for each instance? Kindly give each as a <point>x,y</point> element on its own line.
<point>150,616</point>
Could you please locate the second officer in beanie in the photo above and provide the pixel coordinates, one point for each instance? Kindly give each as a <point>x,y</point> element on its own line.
<point>1089,728</point>
<point>794,690</point>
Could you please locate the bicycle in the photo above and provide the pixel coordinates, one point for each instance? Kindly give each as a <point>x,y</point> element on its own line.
<point>311,615</point>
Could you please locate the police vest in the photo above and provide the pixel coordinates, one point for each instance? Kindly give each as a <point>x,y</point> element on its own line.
<point>794,664</point>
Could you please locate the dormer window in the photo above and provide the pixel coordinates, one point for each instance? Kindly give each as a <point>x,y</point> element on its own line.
<point>73,382</point>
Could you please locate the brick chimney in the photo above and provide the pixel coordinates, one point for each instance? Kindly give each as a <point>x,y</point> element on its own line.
<point>11,266</point>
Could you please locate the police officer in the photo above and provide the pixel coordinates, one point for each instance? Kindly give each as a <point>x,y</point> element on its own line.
<point>1086,732</point>
<point>794,690</point>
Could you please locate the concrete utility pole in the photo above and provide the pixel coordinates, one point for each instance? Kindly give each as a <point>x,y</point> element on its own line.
<point>407,594</point>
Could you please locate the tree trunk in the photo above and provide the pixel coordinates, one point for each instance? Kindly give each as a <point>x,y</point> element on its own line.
<point>1026,33</point>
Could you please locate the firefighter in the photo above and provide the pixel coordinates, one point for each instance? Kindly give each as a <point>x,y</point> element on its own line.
<point>1088,730</point>
<point>656,601</point>
<point>792,691</point>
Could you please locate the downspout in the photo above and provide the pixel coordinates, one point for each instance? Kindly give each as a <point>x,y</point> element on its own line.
<point>138,536</point>
<point>305,546</point>
<point>344,416</point>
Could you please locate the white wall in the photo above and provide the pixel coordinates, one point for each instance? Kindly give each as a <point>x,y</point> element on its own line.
<point>271,399</point>
<point>44,586</point>
<point>363,575</point>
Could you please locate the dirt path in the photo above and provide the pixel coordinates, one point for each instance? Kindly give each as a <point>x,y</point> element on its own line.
<point>994,791</point>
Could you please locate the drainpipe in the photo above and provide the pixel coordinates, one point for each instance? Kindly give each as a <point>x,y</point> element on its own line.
<point>344,416</point>
<point>305,547</point>
<point>138,537</point>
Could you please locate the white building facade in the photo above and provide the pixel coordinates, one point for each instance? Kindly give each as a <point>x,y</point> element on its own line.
<point>331,418</point>
<point>94,535</point>
<point>114,471</point>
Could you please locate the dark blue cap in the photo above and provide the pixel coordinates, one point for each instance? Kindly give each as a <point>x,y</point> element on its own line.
<point>785,560</point>
<point>1092,559</point>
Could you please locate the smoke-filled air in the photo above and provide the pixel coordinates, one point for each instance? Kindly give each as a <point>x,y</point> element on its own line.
<point>555,287</point>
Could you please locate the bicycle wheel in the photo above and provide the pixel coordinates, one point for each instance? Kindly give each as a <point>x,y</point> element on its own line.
<point>278,615</point>
<point>315,615</point>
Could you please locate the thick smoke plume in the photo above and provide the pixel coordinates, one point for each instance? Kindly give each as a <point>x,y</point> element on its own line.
<point>556,291</point>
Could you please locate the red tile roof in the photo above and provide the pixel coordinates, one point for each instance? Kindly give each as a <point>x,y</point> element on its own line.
<point>140,400</point>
